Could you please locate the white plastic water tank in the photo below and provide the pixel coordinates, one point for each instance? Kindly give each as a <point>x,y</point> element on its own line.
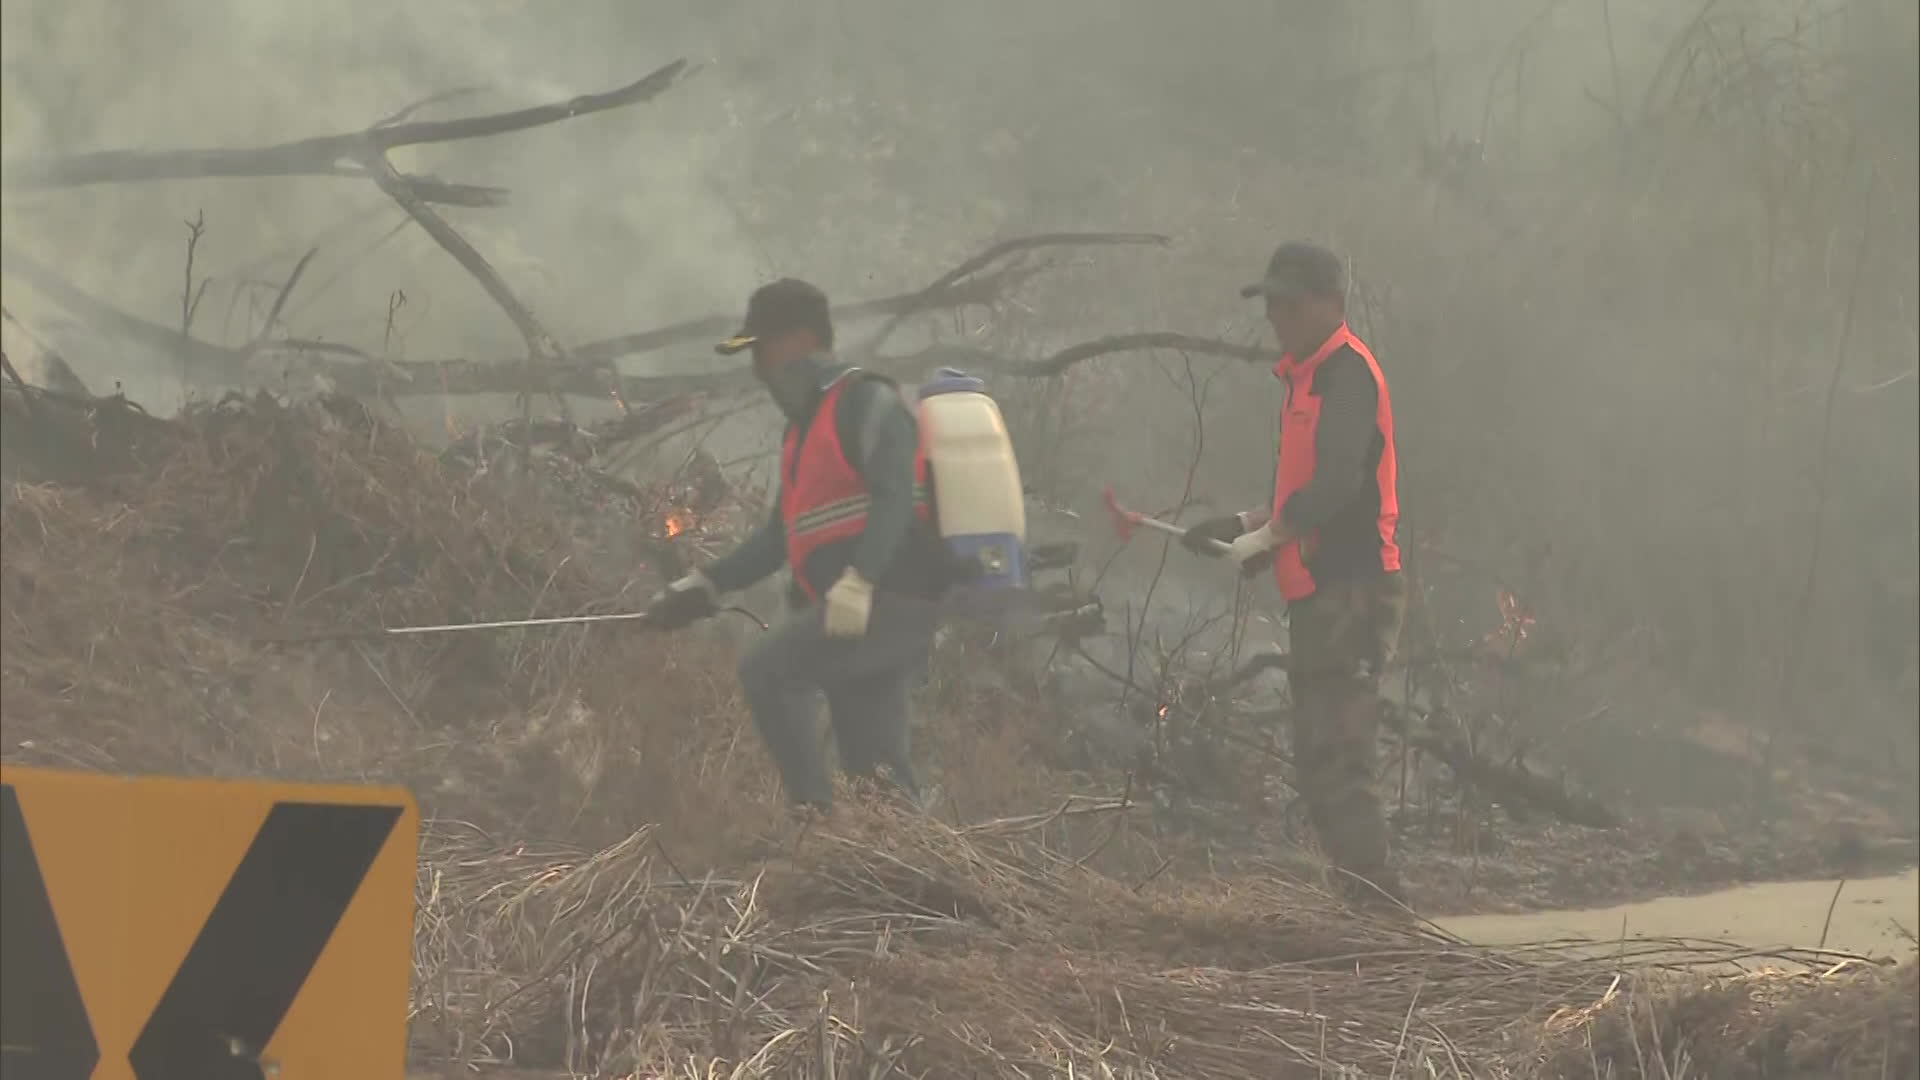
<point>976,479</point>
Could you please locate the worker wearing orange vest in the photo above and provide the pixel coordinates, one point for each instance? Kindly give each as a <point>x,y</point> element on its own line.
<point>1330,535</point>
<point>851,519</point>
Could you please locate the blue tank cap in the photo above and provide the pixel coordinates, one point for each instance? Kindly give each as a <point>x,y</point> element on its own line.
<point>951,381</point>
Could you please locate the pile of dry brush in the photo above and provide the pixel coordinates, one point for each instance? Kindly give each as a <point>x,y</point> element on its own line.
<point>604,883</point>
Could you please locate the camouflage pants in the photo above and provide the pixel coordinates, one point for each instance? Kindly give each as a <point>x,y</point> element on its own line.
<point>1340,640</point>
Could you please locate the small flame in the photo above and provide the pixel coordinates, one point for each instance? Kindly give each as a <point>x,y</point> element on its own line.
<point>1163,711</point>
<point>678,521</point>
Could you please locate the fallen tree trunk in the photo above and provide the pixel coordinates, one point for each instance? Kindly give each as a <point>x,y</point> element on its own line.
<point>1511,782</point>
<point>588,369</point>
<point>327,155</point>
<point>548,366</point>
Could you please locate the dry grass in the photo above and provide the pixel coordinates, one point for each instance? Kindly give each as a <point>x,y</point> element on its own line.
<point>1847,1020</point>
<point>603,886</point>
<point>152,590</point>
<point>883,942</point>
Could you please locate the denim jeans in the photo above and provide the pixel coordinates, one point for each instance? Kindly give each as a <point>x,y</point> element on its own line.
<point>865,681</point>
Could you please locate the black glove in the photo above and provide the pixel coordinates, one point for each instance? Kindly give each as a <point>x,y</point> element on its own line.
<point>1224,529</point>
<point>683,603</point>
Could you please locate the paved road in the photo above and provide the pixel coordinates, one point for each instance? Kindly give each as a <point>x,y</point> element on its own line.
<point>1789,913</point>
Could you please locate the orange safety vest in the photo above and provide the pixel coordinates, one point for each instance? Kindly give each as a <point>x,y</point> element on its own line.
<point>1298,422</point>
<point>823,498</point>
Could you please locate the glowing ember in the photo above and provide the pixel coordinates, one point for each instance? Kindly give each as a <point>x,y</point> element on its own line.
<point>1514,620</point>
<point>678,521</point>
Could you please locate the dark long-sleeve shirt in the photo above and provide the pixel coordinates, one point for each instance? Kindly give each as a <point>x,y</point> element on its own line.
<point>879,435</point>
<point>1342,441</point>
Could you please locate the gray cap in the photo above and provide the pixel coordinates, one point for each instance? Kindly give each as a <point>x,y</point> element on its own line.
<point>1301,269</point>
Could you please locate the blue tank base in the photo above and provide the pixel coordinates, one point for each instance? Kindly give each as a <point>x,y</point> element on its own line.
<point>989,562</point>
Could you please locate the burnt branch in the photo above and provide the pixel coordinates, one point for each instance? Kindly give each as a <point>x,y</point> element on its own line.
<point>286,290</point>
<point>429,101</point>
<point>427,187</point>
<point>60,375</point>
<point>1007,249</point>
<point>350,370</point>
<point>26,388</point>
<point>1511,781</point>
<point>1060,362</point>
<point>543,351</point>
<point>540,343</point>
<point>1019,244</point>
<point>209,363</point>
<point>963,286</point>
<point>588,369</point>
<point>212,361</point>
<point>977,292</point>
<point>189,296</point>
<point>324,155</point>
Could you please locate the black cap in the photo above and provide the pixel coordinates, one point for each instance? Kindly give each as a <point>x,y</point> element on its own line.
<point>787,304</point>
<point>1301,269</point>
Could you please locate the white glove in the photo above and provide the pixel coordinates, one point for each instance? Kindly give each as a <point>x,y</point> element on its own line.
<point>1252,545</point>
<point>848,606</point>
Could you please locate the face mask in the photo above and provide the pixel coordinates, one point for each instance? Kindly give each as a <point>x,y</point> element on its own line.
<point>795,387</point>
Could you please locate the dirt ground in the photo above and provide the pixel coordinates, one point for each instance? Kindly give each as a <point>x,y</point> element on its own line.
<point>1500,864</point>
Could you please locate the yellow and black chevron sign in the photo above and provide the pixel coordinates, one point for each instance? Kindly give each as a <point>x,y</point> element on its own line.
<point>164,929</point>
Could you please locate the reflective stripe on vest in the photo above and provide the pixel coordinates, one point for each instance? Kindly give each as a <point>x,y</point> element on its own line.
<point>1298,423</point>
<point>823,498</point>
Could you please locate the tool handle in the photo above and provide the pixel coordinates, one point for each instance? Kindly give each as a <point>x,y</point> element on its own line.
<point>378,632</point>
<point>1174,530</point>
<point>1125,519</point>
<point>515,624</point>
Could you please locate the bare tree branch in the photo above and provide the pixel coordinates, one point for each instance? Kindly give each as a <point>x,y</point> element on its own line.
<point>429,101</point>
<point>978,292</point>
<point>26,388</point>
<point>962,286</point>
<point>321,156</point>
<point>60,375</point>
<point>543,351</point>
<point>210,363</point>
<point>429,188</point>
<point>280,299</point>
<point>1059,362</point>
<point>588,370</point>
<point>1007,248</point>
<point>540,343</point>
<point>325,155</point>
